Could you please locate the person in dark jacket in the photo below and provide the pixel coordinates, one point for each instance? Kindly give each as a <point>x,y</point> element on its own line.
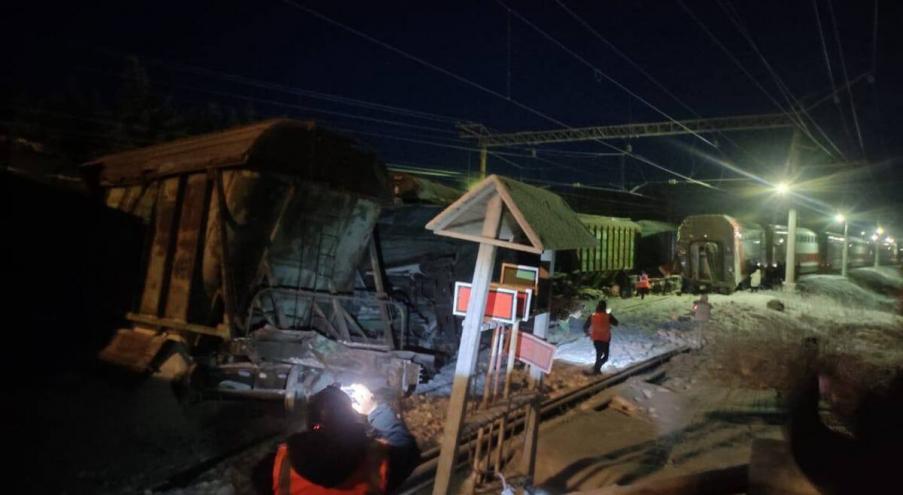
<point>352,445</point>
<point>598,328</point>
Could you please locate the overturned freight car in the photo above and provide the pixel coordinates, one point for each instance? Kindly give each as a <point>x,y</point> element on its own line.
<point>255,239</point>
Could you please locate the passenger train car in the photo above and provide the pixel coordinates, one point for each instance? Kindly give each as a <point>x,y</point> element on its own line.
<point>859,252</point>
<point>718,252</point>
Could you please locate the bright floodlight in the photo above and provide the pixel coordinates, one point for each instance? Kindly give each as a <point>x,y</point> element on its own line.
<point>880,231</point>
<point>890,240</point>
<point>782,188</point>
<point>839,218</point>
<point>874,237</point>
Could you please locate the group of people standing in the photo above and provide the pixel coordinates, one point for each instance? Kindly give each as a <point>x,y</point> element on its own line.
<point>643,285</point>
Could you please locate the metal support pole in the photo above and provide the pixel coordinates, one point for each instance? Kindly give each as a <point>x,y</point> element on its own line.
<point>877,251</point>
<point>484,156</point>
<point>469,348</point>
<point>846,245</point>
<point>790,268</point>
<point>531,425</point>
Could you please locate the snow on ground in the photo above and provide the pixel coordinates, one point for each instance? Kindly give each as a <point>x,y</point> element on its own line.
<point>713,402</point>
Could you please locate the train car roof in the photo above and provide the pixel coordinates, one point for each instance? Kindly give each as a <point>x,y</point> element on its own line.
<point>746,226</point>
<point>287,146</point>
<point>652,227</point>
<point>603,221</point>
<point>782,229</point>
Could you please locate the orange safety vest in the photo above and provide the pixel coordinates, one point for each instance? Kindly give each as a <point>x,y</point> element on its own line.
<point>643,282</point>
<point>601,327</point>
<point>370,478</point>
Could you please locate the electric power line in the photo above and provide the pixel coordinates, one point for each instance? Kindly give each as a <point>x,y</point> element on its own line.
<point>466,81</point>
<point>599,71</point>
<point>846,77</point>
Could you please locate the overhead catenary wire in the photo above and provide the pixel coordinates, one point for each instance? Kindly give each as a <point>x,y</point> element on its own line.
<point>248,81</point>
<point>792,116</point>
<point>846,77</point>
<point>834,92</point>
<point>465,80</point>
<point>792,101</point>
<point>600,72</point>
<point>624,56</point>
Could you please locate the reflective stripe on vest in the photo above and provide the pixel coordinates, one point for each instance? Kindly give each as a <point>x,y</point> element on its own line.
<point>369,478</point>
<point>601,327</point>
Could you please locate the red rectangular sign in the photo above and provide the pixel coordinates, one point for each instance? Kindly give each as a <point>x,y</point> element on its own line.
<point>535,351</point>
<point>501,304</point>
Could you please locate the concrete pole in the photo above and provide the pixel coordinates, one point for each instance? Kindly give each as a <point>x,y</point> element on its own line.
<point>846,245</point>
<point>531,425</point>
<point>790,258</point>
<point>877,250</point>
<point>469,348</point>
<point>484,157</point>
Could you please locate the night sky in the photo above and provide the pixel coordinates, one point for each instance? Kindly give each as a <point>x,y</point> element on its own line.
<point>194,51</point>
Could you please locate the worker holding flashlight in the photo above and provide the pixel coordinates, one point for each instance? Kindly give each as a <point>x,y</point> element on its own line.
<point>353,445</point>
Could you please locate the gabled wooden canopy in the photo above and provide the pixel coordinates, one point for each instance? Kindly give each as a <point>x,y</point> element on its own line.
<point>533,219</point>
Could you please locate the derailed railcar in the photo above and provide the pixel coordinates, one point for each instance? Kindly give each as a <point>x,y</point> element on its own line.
<point>255,239</point>
<point>616,244</point>
<point>656,247</point>
<point>717,252</point>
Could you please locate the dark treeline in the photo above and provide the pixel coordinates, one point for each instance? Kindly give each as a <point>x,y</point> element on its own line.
<point>79,120</point>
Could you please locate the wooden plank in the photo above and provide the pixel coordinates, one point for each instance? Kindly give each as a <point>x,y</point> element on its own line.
<point>469,348</point>
<point>191,223</point>
<point>157,275</point>
<point>518,216</point>
<point>449,214</point>
<point>534,410</point>
<point>484,240</point>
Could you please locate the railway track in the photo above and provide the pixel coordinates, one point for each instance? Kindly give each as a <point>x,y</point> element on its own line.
<point>423,475</point>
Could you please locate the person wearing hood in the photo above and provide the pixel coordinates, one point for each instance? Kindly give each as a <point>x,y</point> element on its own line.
<point>352,446</point>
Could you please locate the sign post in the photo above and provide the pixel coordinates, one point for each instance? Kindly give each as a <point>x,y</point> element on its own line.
<point>535,221</point>
<point>469,349</point>
<point>531,425</point>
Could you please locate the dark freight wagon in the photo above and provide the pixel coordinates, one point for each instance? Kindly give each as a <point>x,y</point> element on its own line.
<point>255,239</point>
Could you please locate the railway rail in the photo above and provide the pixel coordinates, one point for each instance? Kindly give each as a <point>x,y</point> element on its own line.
<point>423,475</point>
<point>552,407</point>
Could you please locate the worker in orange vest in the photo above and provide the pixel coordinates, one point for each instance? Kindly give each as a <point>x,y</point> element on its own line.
<point>352,446</point>
<point>598,328</point>
<point>643,285</point>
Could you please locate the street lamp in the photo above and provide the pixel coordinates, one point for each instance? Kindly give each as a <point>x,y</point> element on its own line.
<point>783,189</point>
<point>840,218</point>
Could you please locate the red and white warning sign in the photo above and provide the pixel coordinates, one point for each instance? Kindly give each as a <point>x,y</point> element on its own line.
<point>535,351</point>
<point>501,304</point>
